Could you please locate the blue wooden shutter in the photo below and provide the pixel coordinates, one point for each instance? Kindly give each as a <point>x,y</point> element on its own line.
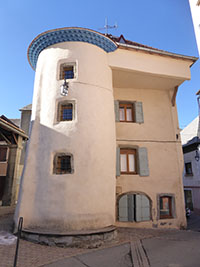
<point>118,168</point>
<point>116,103</point>
<point>131,207</point>
<point>142,208</point>
<point>143,161</point>
<point>123,209</point>
<point>139,117</point>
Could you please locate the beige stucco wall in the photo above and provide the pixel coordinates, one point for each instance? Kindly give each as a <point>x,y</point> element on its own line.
<point>160,135</point>
<point>84,199</point>
<point>149,63</point>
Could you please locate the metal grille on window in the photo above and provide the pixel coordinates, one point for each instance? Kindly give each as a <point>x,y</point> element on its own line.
<point>67,72</point>
<point>66,112</point>
<point>63,164</point>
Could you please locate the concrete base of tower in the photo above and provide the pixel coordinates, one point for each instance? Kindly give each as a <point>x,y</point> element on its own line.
<point>82,239</point>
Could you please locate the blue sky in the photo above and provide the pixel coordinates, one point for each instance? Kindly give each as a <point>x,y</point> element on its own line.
<point>164,24</point>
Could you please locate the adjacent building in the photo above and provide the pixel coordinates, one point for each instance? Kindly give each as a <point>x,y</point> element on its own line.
<point>11,139</point>
<point>104,144</point>
<point>191,175</point>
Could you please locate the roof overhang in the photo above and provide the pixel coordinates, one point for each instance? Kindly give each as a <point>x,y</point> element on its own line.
<point>158,52</point>
<point>11,128</point>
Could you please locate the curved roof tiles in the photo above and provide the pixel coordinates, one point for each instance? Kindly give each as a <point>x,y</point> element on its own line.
<point>52,37</point>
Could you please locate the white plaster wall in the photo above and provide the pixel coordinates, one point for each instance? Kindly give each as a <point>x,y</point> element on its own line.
<point>86,198</point>
<point>193,180</point>
<point>195,10</point>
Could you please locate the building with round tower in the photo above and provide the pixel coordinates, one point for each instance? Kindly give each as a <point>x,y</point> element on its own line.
<point>104,146</point>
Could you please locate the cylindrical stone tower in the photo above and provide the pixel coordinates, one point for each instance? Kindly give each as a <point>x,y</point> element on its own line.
<point>68,183</point>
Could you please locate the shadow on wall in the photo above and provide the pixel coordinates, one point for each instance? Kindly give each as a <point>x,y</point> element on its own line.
<point>42,198</point>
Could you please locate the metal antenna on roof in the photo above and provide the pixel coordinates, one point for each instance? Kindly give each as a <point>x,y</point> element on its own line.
<point>106,26</point>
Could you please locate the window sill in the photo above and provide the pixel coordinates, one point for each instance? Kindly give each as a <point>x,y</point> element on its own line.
<point>128,173</point>
<point>127,121</point>
<point>167,217</point>
<point>189,174</point>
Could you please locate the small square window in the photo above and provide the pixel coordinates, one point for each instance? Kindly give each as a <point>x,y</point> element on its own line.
<point>165,207</point>
<point>67,71</point>
<point>188,168</point>
<point>62,164</point>
<point>66,111</point>
<point>126,112</point>
<point>128,161</point>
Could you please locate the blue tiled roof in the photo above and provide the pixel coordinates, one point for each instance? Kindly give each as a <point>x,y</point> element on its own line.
<point>67,35</point>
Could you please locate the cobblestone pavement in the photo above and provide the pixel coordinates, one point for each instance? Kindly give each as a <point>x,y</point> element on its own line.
<point>36,255</point>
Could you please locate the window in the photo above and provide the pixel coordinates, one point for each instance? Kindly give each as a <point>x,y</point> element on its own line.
<point>62,164</point>
<point>3,153</point>
<point>188,198</point>
<point>134,208</point>
<point>188,168</point>
<point>165,207</point>
<point>128,161</point>
<point>126,113</point>
<point>131,160</point>
<point>67,71</point>
<point>66,111</point>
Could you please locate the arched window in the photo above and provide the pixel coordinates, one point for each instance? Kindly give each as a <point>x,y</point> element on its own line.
<point>134,208</point>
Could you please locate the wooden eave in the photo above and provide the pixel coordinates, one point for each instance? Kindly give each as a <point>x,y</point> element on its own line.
<point>11,128</point>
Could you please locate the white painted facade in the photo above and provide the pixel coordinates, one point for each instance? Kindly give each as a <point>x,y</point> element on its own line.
<point>86,198</point>
<point>195,11</point>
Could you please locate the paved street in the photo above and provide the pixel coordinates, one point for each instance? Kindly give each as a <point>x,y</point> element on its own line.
<point>134,247</point>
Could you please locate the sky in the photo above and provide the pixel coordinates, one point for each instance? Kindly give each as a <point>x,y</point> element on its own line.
<point>163,24</point>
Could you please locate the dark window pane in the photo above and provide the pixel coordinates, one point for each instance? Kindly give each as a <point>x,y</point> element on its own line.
<point>66,112</point>
<point>63,164</point>
<point>68,74</point>
<point>188,168</point>
<point>3,152</point>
